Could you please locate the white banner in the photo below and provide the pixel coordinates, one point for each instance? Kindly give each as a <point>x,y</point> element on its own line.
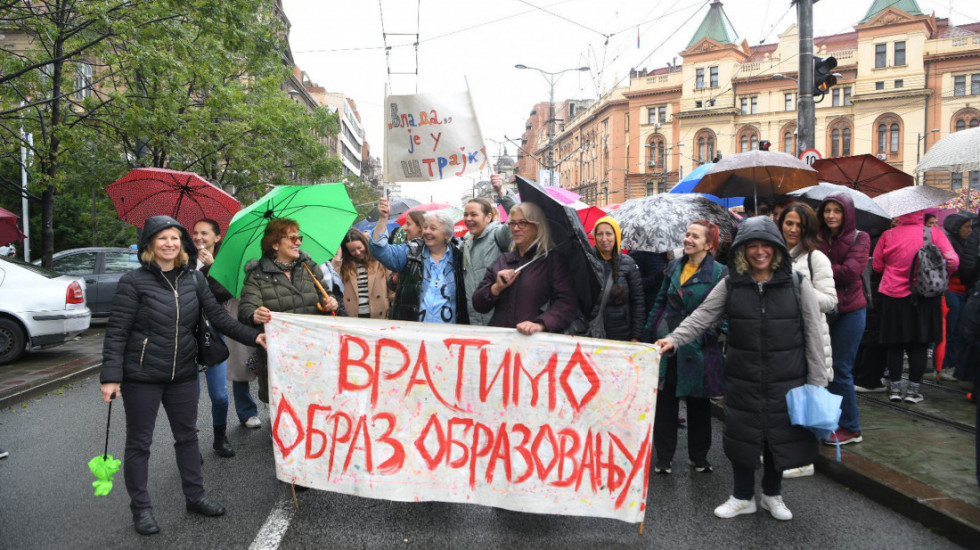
<point>406,411</point>
<point>431,137</point>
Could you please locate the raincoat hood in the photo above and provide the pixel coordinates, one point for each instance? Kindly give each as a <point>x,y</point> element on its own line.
<point>952,225</point>
<point>850,217</point>
<point>912,218</point>
<point>760,228</point>
<point>619,236</point>
<point>156,224</point>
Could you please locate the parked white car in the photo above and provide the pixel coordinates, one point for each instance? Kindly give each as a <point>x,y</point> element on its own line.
<point>38,308</point>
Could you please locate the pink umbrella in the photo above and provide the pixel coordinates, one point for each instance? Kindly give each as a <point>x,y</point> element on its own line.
<point>8,228</point>
<point>560,194</point>
<point>428,207</point>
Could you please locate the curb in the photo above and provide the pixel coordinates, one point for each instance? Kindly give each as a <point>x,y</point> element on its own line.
<point>38,387</point>
<point>950,517</point>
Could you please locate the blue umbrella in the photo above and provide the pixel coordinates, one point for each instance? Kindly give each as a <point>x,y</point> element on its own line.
<point>692,179</point>
<point>365,225</point>
<point>814,408</point>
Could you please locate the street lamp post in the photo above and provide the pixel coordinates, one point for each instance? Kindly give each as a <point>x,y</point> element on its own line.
<point>551,77</point>
<point>918,147</point>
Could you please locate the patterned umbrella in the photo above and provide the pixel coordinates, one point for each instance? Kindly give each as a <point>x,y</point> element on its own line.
<point>456,213</point>
<point>657,223</point>
<point>957,152</point>
<point>912,199</point>
<point>184,196</point>
<point>967,199</point>
<point>870,216</point>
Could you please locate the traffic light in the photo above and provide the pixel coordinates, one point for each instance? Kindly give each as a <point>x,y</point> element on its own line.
<point>764,145</point>
<point>823,77</point>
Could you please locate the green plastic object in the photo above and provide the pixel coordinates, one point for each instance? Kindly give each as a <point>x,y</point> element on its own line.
<point>103,467</point>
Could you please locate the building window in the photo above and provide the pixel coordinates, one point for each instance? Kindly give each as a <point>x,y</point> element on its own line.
<point>899,53</point>
<point>975,84</point>
<point>662,115</point>
<point>755,142</point>
<point>788,142</point>
<point>880,85</point>
<point>957,182</point>
<point>847,95</point>
<point>960,125</point>
<point>880,55</point>
<point>835,143</point>
<point>651,115</point>
<point>846,142</point>
<point>706,147</point>
<point>650,188</point>
<point>959,85</point>
<point>894,136</point>
<point>743,144</point>
<point>713,75</point>
<point>788,102</point>
<point>697,104</point>
<point>699,79</point>
<point>657,152</point>
<point>975,180</point>
<point>899,83</point>
<point>745,105</point>
<point>834,96</point>
<point>882,138</point>
<point>755,105</point>
<point>83,81</point>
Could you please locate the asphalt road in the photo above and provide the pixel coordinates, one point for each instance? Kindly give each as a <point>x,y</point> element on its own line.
<point>46,501</point>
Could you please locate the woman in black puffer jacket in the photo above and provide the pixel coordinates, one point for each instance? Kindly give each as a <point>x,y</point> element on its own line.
<point>150,351</point>
<point>625,311</point>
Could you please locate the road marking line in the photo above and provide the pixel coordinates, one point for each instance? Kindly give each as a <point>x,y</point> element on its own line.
<point>275,526</point>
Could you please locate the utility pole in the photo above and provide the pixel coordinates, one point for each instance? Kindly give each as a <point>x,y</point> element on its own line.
<point>806,118</point>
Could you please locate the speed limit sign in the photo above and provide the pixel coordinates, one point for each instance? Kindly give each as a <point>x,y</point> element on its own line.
<point>810,156</point>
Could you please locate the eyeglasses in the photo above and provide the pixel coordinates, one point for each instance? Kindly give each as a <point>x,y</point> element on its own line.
<point>297,239</point>
<point>522,224</point>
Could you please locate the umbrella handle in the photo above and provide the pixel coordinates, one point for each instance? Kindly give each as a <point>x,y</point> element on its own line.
<point>105,452</point>
<point>319,305</point>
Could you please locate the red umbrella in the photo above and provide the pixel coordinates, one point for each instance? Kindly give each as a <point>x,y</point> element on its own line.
<point>185,196</point>
<point>8,228</point>
<point>864,173</point>
<point>460,229</point>
<point>428,207</point>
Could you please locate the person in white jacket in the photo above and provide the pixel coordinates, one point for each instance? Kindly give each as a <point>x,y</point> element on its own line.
<point>798,223</point>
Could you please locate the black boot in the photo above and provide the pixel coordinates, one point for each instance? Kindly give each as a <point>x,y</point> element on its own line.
<point>221,445</point>
<point>145,523</point>
<point>205,506</point>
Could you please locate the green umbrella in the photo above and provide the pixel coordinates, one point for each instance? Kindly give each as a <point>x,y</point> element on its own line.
<point>324,213</point>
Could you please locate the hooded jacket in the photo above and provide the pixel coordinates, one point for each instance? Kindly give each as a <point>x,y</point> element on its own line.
<point>266,285</point>
<point>849,254</point>
<point>773,347</point>
<point>150,336</point>
<point>966,250</point>
<point>479,253</point>
<point>625,313</point>
<point>896,249</point>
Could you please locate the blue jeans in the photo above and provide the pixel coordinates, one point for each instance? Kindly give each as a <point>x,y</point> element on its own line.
<point>245,406</point>
<point>217,380</point>
<point>845,337</point>
<point>955,303</point>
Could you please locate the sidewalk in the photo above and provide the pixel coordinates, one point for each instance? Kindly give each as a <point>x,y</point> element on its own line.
<point>920,468</point>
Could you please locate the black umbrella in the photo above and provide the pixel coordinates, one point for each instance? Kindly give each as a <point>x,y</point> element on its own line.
<point>570,240</point>
<point>398,207</point>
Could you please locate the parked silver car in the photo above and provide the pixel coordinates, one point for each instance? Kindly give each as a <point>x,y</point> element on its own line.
<point>102,268</point>
<point>38,308</point>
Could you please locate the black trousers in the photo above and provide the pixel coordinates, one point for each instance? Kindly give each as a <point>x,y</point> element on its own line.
<point>665,421</point>
<point>142,402</point>
<point>917,361</point>
<point>744,478</point>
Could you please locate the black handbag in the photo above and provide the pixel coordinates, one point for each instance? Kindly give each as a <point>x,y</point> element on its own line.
<point>211,349</point>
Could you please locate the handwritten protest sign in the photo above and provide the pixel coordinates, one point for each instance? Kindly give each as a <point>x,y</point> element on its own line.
<point>410,412</point>
<point>432,137</point>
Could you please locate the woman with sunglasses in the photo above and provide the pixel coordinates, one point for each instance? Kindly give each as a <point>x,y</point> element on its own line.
<point>430,286</point>
<point>529,287</point>
<point>694,373</point>
<point>282,280</point>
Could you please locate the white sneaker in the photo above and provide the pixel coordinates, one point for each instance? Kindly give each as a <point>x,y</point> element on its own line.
<point>253,422</point>
<point>802,471</point>
<point>776,507</point>
<point>735,507</point>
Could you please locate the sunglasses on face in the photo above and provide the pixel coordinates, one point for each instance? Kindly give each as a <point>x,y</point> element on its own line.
<point>297,239</point>
<point>522,224</point>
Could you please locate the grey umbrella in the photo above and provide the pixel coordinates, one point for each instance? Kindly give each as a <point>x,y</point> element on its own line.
<point>657,223</point>
<point>957,152</point>
<point>912,199</point>
<point>870,216</point>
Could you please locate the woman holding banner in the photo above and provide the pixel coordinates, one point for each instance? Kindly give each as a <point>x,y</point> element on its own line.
<point>695,372</point>
<point>774,345</point>
<point>528,288</point>
<point>430,270</point>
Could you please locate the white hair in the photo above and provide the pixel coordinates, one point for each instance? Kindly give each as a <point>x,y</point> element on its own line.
<point>445,219</point>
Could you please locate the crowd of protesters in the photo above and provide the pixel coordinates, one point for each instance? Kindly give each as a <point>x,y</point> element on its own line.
<point>789,308</point>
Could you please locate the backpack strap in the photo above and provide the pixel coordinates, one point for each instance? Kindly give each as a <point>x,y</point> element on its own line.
<point>809,263</point>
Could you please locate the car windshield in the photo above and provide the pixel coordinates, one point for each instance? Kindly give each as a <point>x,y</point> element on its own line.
<point>31,267</point>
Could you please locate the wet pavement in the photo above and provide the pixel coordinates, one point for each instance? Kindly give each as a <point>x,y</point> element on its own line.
<point>918,460</point>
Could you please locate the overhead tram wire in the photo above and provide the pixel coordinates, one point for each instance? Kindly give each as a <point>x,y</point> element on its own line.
<point>384,38</point>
